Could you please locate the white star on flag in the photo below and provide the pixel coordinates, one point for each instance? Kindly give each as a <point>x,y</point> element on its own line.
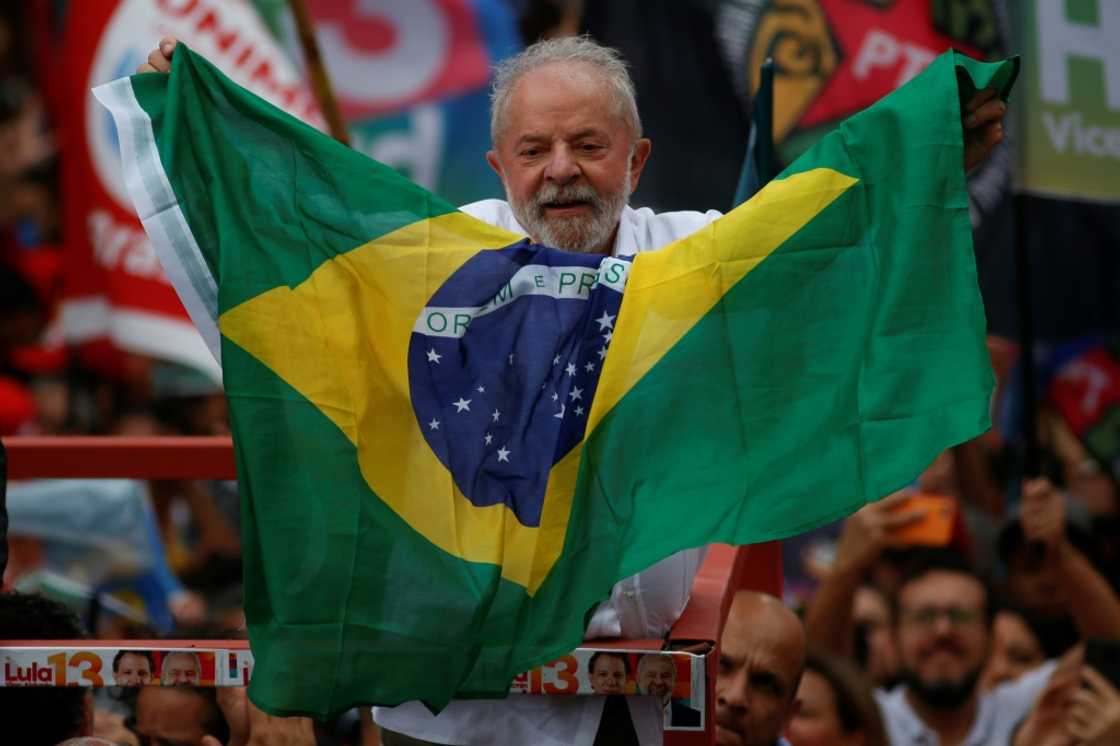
<point>556,360</point>
<point>560,415</point>
<point>555,396</point>
<point>503,454</point>
<point>511,358</point>
<point>576,393</point>
<point>433,356</point>
<point>462,405</point>
<point>433,425</point>
<point>488,439</point>
<point>589,367</point>
<point>571,369</point>
<point>495,415</point>
<point>602,352</point>
<point>579,411</point>
<point>608,335</point>
<point>481,389</point>
<point>606,321</point>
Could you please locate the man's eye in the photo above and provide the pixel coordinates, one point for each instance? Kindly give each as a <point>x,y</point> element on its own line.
<point>589,147</point>
<point>530,153</point>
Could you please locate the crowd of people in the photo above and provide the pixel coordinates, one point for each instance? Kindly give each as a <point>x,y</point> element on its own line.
<point>1004,630</point>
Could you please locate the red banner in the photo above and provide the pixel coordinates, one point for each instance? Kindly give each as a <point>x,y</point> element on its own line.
<point>115,287</point>
<point>389,56</point>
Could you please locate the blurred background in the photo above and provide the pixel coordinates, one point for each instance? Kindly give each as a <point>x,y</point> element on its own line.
<point>94,341</point>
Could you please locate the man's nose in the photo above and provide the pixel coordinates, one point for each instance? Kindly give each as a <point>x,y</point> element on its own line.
<point>562,167</point>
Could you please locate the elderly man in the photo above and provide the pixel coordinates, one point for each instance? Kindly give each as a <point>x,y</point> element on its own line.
<point>568,146</point>
<point>179,669</point>
<point>657,675</point>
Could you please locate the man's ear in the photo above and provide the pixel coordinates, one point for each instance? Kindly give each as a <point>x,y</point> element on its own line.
<point>638,160</point>
<point>492,159</point>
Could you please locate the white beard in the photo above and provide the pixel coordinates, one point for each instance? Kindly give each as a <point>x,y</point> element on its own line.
<point>589,234</point>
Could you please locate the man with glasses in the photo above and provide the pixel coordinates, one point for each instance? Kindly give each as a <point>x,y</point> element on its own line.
<point>943,626</point>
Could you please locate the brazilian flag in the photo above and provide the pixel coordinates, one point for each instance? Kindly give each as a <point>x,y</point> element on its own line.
<point>451,441</point>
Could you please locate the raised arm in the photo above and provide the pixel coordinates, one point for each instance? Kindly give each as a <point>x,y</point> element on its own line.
<point>1093,603</point>
<point>828,619</point>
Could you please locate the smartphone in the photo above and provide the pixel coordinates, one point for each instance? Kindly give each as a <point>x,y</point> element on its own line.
<point>936,526</point>
<point>1104,657</point>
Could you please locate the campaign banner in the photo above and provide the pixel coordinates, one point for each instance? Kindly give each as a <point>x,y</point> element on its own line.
<point>97,666</point>
<point>412,79</point>
<point>115,287</point>
<point>1085,389</point>
<point>1070,113</point>
<point>678,677</point>
<point>833,58</point>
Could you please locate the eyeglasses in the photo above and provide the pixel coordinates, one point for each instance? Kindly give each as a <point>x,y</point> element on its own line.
<point>927,616</point>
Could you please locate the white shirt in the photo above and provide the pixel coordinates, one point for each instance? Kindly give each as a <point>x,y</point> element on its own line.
<point>642,606</point>
<point>999,713</point>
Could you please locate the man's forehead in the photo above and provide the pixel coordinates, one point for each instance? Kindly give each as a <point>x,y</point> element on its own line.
<point>562,94</point>
<point>941,585</point>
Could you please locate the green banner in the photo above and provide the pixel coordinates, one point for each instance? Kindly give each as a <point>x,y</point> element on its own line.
<point>1070,124</point>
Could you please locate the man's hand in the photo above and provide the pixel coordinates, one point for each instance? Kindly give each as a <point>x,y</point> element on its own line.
<point>869,531</point>
<point>1094,711</point>
<point>159,61</point>
<point>250,727</point>
<point>1043,514</point>
<point>983,126</point>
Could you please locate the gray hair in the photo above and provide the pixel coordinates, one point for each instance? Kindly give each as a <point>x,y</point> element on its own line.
<point>567,49</point>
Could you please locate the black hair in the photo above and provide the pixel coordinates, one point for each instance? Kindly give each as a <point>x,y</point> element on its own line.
<point>145,653</point>
<point>924,560</point>
<point>34,715</point>
<point>606,653</point>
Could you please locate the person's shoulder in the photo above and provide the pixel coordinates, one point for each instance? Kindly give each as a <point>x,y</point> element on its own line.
<point>1026,688</point>
<point>495,212</point>
<point>652,230</point>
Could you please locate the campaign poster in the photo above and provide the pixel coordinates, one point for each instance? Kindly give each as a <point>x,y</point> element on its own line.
<point>1070,110</point>
<point>114,286</point>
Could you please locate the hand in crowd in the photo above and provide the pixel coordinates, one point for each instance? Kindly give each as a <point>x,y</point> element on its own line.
<point>983,126</point>
<point>870,530</point>
<point>1046,723</point>
<point>1043,514</point>
<point>1094,711</point>
<point>249,726</point>
<point>159,61</point>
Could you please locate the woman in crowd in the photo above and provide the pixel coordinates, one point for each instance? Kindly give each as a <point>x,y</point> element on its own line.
<point>836,707</point>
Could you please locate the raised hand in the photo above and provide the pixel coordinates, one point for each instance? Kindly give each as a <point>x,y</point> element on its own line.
<point>159,61</point>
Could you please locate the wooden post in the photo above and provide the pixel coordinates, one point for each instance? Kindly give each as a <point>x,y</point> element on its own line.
<point>320,83</point>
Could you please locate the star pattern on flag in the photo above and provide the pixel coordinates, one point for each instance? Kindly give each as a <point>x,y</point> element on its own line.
<point>492,397</point>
